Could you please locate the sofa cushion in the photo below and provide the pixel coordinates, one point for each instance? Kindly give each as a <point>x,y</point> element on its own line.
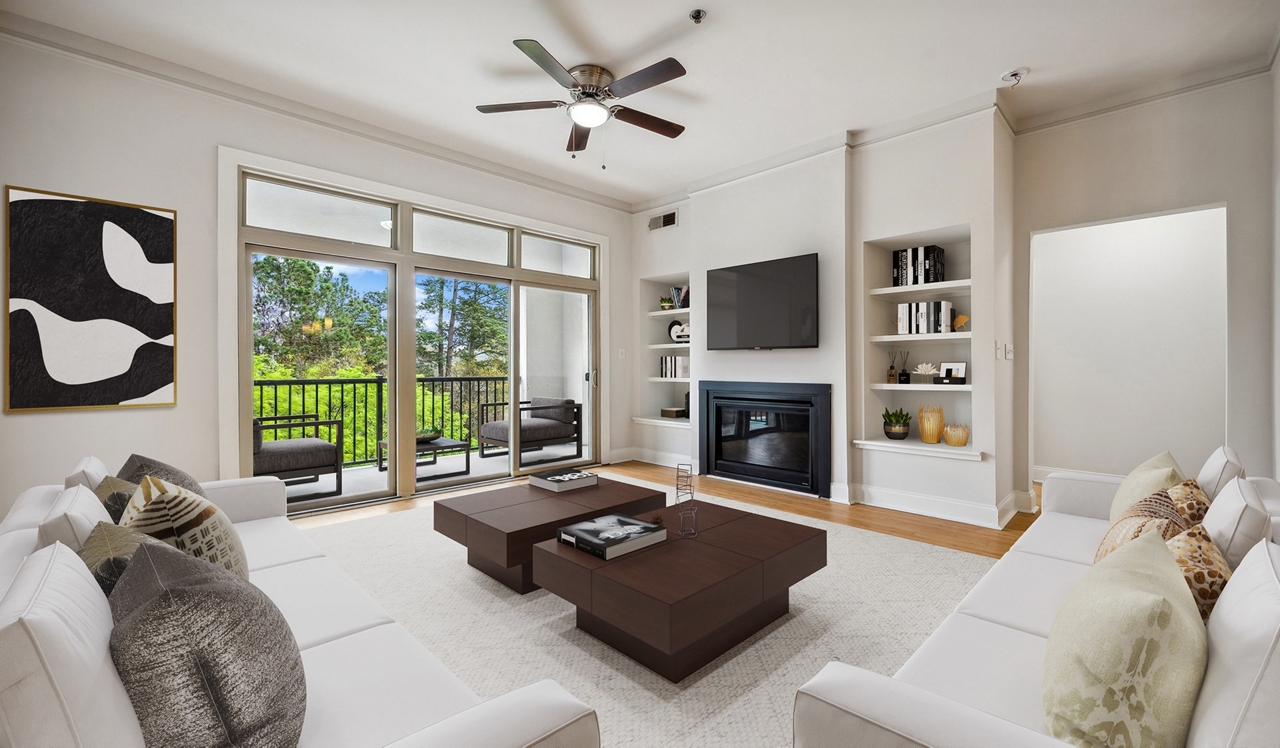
<point>532,429</point>
<point>108,551</point>
<point>1236,520</point>
<point>188,522</point>
<point>1156,513</point>
<point>1126,653</point>
<point>72,517</point>
<point>1023,591</point>
<point>1063,536</point>
<point>206,657</point>
<point>14,548</point>
<point>58,686</point>
<point>274,541</point>
<point>984,665</point>
<point>375,687</point>
<point>563,415</point>
<point>1203,567</point>
<point>30,508</point>
<point>1269,492</point>
<point>319,601</point>
<point>1156,474</point>
<point>138,467</point>
<point>1221,467</point>
<point>115,493</point>
<point>285,455</point>
<point>1237,703</point>
<point>88,472</point>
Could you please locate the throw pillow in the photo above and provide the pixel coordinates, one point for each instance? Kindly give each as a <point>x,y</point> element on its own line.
<point>138,467</point>
<point>72,517</point>
<point>1156,474</point>
<point>1203,566</point>
<point>1221,467</point>
<point>108,551</point>
<point>88,472</point>
<point>1190,500</point>
<point>1126,653</point>
<point>206,657</point>
<point>114,493</point>
<point>190,523</point>
<point>1237,520</point>
<point>1156,513</point>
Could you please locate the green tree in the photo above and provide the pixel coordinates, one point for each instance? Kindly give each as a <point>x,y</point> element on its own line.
<point>462,328</point>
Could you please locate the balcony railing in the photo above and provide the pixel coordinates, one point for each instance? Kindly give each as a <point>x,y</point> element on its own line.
<point>450,405</point>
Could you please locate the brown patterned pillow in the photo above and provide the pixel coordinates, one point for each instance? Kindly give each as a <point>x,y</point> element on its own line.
<point>1203,565</point>
<point>1191,501</point>
<point>190,523</point>
<point>1156,513</point>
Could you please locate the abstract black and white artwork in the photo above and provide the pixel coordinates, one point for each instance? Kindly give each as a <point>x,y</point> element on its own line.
<point>90,290</point>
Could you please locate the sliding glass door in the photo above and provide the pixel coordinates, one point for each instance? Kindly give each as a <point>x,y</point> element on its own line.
<point>557,377</point>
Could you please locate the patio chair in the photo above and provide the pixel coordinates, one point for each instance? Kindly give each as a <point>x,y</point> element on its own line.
<point>544,421</point>
<point>298,460</point>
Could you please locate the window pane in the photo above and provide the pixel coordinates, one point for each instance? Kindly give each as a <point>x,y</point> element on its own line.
<point>276,206</point>
<point>551,256</point>
<point>447,237</point>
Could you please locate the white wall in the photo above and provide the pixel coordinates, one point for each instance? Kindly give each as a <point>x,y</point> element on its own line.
<point>1129,319</point>
<point>1207,147</point>
<point>88,128</point>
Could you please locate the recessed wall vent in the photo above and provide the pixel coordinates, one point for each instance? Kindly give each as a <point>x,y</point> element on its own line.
<point>662,221</point>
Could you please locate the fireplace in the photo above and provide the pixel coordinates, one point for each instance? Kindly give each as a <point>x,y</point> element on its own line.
<point>776,434</point>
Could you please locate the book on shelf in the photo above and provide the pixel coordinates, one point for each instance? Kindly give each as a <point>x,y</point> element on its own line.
<point>915,266</point>
<point>925,317</point>
<point>673,367</point>
<point>680,295</point>
<point>564,479</point>
<point>612,535</point>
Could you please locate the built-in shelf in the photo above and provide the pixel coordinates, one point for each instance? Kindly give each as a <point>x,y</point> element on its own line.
<point>954,289</point>
<point>913,446</point>
<point>922,387</point>
<point>669,312</point>
<point>933,337</point>
<point>671,423</point>
<point>669,379</point>
<point>660,346</point>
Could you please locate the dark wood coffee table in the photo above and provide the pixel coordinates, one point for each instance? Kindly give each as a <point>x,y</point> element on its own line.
<point>676,606</point>
<point>499,527</point>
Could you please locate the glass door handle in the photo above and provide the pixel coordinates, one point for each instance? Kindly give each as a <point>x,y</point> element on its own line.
<point>595,378</point>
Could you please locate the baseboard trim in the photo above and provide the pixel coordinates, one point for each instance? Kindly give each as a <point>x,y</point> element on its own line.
<point>1025,501</point>
<point>652,456</point>
<point>934,506</point>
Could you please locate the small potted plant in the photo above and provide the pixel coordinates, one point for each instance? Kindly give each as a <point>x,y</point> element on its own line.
<point>666,303</point>
<point>897,424</point>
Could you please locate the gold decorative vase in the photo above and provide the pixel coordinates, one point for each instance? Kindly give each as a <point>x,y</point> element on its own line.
<point>956,434</point>
<point>929,419</point>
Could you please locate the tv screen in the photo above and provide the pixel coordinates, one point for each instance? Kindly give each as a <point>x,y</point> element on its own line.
<point>764,305</point>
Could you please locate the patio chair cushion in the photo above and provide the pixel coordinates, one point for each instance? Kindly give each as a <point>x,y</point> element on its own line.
<point>284,455</point>
<point>563,415</point>
<point>257,436</point>
<point>531,430</point>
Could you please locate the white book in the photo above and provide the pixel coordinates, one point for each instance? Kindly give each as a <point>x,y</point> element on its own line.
<point>904,327</point>
<point>946,316</point>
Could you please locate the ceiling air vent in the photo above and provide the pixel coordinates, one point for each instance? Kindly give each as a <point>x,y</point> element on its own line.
<point>662,221</point>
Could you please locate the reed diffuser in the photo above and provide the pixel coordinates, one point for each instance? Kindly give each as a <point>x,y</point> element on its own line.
<point>956,434</point>
<point>930,420</point>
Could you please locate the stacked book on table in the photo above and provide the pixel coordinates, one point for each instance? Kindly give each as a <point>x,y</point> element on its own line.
<point>611,536</point>
<point>565,479</point>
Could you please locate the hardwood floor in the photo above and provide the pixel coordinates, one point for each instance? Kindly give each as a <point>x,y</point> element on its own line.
<point>940,532</point>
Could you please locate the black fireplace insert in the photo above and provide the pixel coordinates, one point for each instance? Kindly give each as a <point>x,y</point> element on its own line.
<point>776,434</point>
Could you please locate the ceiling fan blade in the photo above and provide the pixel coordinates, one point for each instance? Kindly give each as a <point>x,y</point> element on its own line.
<point>658,72</point>
<point>518,106</point>
<point>647,121</point>
<point>540,55</point>
<point>578,138</point>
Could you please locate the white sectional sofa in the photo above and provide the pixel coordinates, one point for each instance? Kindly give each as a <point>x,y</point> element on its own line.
<point>369,681</point>
<point>976,682</point>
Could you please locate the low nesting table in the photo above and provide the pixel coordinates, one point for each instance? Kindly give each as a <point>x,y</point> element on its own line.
<point>499,527</point>
<point>676,606</point>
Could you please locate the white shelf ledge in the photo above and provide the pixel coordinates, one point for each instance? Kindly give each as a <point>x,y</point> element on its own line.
<point>922,387</point>
<point>668,379</point>
<point>925,291</point>
<point>669,312</point>
<point>671,423</point>
<point>658,346</point>
<point>933,337</point>
<point>913,446</point>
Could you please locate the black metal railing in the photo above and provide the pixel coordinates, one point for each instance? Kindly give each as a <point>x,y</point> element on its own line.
<point>450,405</point>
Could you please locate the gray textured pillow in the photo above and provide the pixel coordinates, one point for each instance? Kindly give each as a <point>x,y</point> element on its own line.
<point>138,467</point>
<point>564,415</point>
<point>207,658</point>
<point>114,493</point>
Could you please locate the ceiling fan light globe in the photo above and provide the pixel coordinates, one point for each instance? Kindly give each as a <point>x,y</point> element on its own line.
<point>588,113</point>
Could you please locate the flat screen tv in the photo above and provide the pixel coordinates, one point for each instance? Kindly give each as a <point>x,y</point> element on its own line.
<point>764,305</point>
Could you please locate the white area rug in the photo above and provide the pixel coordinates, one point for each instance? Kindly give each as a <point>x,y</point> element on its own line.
<point>873,605</point>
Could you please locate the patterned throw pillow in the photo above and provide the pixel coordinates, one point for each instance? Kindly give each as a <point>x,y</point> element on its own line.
<point>138,467</point>
<point>1126,654</point>
<point>1156,513</point>
<point>114,493</point>
<point>1191,501</point>
<point>190,523</point>
<point>1203,565</point>
<point>108,550</point>
<point>1156,474</point>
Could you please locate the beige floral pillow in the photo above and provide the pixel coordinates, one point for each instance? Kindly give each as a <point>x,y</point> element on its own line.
<point>1156,513</point>
<point>1203,566</point>
<point>1191,501</point>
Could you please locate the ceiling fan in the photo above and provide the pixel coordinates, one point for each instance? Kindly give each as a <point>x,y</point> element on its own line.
<point>591,87</point>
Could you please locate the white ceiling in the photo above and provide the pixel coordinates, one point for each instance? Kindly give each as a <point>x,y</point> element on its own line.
<point>764,76</point>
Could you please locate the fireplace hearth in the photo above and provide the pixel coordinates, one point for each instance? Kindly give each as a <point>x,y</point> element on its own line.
<point>772,433</point>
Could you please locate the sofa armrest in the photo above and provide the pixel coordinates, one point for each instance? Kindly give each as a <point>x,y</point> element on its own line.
<point>1081,494</point>
<point>245,499</point>
<point>542,714</point>
<point>844,705</point>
